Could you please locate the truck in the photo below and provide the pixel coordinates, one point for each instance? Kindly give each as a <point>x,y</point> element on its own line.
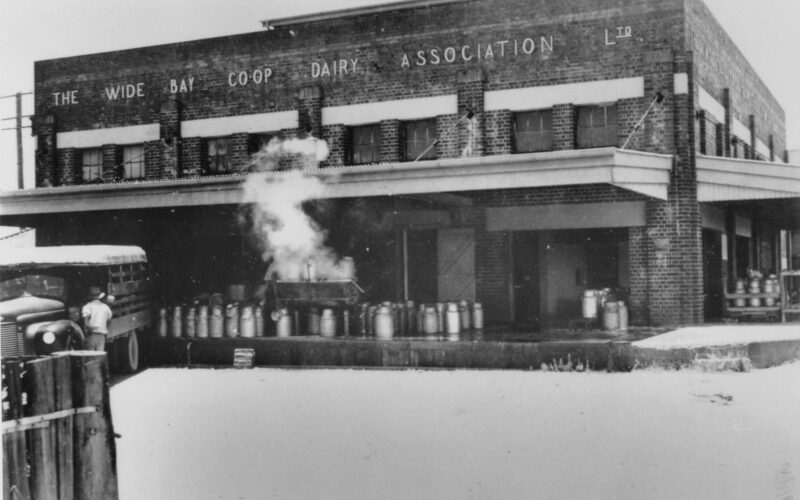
<point>42,291</point>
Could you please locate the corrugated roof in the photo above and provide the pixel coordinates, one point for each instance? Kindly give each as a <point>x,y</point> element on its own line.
<point>71,255</point>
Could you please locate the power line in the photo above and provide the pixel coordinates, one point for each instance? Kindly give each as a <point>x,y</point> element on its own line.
<point>18,128</point>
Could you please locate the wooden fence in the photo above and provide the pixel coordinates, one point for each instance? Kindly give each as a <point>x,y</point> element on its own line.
<point>58,437</point>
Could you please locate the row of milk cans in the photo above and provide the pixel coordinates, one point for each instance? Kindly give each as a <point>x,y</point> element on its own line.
<point>389,319</point>
<point>214,321</point>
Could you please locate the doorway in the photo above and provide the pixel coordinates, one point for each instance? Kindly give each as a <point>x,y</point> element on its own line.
<point>526,279</point>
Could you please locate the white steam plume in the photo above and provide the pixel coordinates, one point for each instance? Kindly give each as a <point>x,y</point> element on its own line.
<point>294,244</point>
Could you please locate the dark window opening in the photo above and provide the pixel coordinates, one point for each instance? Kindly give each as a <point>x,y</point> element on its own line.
<point>219,156</point>
<point>533,131</point>
<point>365,144</point>
<point>597,126</point>
<point>417,138</point>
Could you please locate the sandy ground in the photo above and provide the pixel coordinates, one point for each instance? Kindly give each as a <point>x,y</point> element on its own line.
<point>330,434</point>
<point>722,335</point>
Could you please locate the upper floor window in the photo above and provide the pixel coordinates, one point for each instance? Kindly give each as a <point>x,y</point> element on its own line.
<point>133,162</point>
<point>533,131</point>
<point>92,164</point>
<point>597,126</point>
<point>365,144</point>
<point>259,142</point>
<point>219,156</point>
<point>417,137</point>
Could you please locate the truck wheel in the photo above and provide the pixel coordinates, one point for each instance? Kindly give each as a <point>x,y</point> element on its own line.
<point>129,353</point>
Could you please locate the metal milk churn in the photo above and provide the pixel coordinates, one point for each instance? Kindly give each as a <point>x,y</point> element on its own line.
<point>740,302</point>
<point>247,323</point>
<point>589,304</point>
<point>441,316</point>
<point>313,321</point>
<point>755,287</point>
<point>163,322</point>
<point>327,326</point>
<point>177,322</point>
<point>464,312</point>
<point>189,322</point>
<point>623,316</point>
<point>258,312</point>
<point>420,321</point>
<point>453,318</point>
<point>412,317</point>
<point>477,316</point>
<point>202,321</point>
<point>611,316</point>
<point>430,321</point>
<point>402,316</point>
<point>283,322</point>
<point>384,322</point>
<point>231,321</point>
<point>363,320</point>
<point>216,322</point>
<point>770,287</point>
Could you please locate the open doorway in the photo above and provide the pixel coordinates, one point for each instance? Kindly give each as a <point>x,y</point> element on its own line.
<point>526,280</point>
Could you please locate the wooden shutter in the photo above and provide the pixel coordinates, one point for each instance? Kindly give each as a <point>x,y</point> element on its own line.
<point>456,264</point>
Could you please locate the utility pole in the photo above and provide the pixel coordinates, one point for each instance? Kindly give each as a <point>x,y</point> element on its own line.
<point>18,118</point>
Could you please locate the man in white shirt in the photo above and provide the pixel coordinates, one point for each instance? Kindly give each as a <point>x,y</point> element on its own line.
<point>96,314</point>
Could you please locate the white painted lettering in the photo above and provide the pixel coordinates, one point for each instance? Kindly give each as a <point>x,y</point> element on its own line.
<point>315,70</point>
<point>326,71</point>
<point>466,53</point>
<point>404,63</point>
<point>242,78</point>
<point>140,90</point>
<point>502,45</point>
<point>113,93</point>
<point>258,76</point>
<point>609,42</point>
<point>355,63</point>
<point>545,44</point>
<point>449,54</point>
<point>528,46</point>
<point>489,52</point>
<point>267,74</point>
<point>421,61</point>
<point>435,56</point>
<point>173,86</point>
<point>232,79</point>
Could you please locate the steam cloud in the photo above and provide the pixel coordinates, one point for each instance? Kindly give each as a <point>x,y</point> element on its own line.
<point>294,244</point>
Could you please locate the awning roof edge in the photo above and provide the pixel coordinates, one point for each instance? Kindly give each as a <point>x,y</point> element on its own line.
<point>730,179</point>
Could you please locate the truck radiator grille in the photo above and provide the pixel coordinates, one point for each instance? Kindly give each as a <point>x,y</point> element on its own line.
<point>10,340</point>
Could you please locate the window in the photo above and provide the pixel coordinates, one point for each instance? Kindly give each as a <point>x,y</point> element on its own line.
<point>133,162</point>
<point>365,144</point>
<point>533,131</point>
<point>219,156</point>
<point>258,142</point>
<point>597,126</point>
<point>417,137</point>
<point>92,163</point>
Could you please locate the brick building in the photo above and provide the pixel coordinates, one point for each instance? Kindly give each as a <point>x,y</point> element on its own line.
<point>507,151</point>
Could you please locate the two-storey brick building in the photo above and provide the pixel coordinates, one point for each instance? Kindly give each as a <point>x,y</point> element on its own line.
<point>506,151</point>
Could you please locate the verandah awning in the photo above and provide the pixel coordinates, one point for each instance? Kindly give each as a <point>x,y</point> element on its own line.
<point>644,173</point>
<point>728,179</point>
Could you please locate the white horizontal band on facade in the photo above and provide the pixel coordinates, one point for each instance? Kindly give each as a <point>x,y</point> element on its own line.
<point>741,131</point>
<point>762,149</point>
<point>710,105</point>
<point>568,93</point>
<point>681,83</point>
<point>400,109</point>
<point>249,124</point>
<point>134,134</point>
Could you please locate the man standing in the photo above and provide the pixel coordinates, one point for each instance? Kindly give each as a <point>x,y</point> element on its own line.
<point>96,314</point>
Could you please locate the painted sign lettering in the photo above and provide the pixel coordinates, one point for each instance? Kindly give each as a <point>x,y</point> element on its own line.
<point>186,85</point>
<point>478,51</point>
<point>620,32</point>
<point>65,98</point>
<point>257,76</point>
<point>334,68</point>
<point>124,91</point>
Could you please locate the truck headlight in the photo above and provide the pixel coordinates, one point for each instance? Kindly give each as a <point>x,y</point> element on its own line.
<point>49,337</point>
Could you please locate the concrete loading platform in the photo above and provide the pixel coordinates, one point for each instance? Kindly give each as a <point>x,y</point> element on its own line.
<point>737,347</point>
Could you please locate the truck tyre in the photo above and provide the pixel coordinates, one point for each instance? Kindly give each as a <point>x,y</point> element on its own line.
<point>129,353</point>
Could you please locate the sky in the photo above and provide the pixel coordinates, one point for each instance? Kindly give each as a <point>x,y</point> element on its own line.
<point>32,30</point>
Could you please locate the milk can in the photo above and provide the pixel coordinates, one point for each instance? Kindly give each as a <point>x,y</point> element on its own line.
<point>313,325</point>
<point>755,287</point>
<point>201,321</point>
<point>402,316</point>
<point>420,321</point>
<point>231,321</point>
<point>283,322</point>
<point>589,304</point>
<point>163,322</point>
<point>327,325</point>
<point>623,316</point>
<point>769,287</point>
<point>453,319</point>
<point>740,302</point>
<point>477,316</point>
<point>611,316</point>
<point>371,312</point>
<point>216,322</point>
<point>258,312</point>
<point>384,323</point>
<point>430,321</point>
<point>464,315</point>
<point>363,314</point>
<point>247,323</point>
<point>189,323</point>
<point>412,316</point>
<point>177,322</point>
<point>441,316</point>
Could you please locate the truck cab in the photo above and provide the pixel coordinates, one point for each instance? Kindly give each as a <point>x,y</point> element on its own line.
<point>42,291</point>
